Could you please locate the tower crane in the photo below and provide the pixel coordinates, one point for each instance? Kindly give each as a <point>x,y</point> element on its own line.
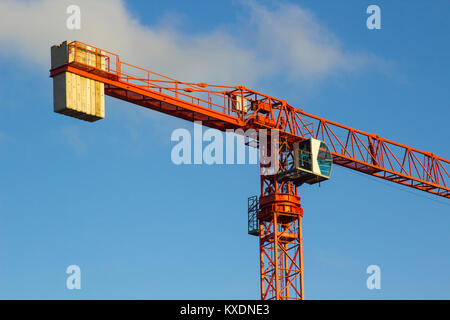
<point>306,147</point>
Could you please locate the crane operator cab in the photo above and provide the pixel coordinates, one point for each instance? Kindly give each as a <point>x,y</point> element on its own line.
<point>311,163</point>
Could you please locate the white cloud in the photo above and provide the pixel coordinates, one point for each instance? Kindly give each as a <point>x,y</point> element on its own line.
<point>303,47</point>
<point>287,40</point>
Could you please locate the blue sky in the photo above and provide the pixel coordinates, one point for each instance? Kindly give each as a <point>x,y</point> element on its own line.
<point>106,197</point>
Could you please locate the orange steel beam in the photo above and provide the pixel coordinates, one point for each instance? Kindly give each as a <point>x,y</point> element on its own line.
<point>280,232</point>
<point>216,106</point>
<point>280,241</point>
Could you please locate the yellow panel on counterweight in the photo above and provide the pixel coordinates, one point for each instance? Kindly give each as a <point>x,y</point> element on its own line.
<point>74,95</point>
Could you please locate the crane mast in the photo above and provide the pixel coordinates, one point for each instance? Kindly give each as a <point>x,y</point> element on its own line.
<point>277,213</point>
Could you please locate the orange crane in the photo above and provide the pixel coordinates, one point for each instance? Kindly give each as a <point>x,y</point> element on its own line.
<point>276,216</point>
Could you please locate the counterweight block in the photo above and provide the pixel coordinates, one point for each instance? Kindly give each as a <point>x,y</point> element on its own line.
<point>74,95</point>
